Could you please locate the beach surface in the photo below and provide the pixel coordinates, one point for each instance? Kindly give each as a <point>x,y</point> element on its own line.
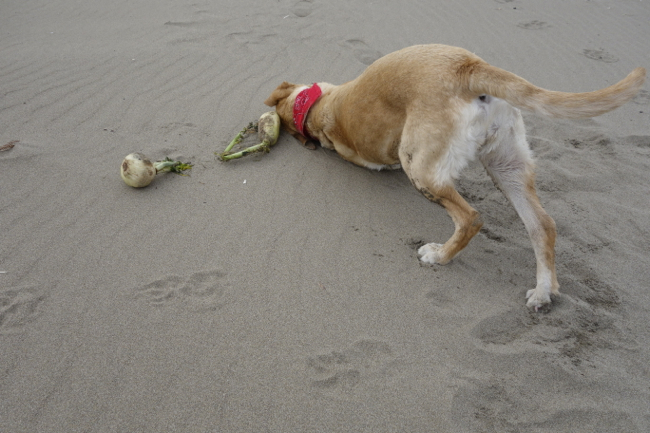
<point>282,292</point>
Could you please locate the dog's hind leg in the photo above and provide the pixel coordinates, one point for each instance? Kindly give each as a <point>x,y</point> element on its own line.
<point>508,161</point>
<point>466,219</point>
<point>432,160</point>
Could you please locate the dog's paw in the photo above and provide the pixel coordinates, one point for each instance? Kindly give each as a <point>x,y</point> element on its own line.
<point>432,253</point>
<point>537,298</point>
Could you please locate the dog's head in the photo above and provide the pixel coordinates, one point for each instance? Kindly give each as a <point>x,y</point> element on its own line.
<point>283,98</point>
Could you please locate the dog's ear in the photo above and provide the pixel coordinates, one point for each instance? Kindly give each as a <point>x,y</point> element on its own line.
<point>281,92</point>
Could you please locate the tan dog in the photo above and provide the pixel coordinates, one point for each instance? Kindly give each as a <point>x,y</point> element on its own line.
<point>434,108</point>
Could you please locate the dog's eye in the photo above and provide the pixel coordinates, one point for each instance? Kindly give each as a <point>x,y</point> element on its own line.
<point>482,98</point>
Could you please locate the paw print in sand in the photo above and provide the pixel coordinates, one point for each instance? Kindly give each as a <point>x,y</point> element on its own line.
<point>200,292</point>
<point>359,364</point>
<point>19,306</point>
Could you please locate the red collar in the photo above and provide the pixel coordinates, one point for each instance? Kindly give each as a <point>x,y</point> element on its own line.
<point>301,106</point>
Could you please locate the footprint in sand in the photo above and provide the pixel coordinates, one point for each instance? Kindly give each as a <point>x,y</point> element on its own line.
<point>642,98</point>
<point>580,322</point>
<point>534,25</point>
<point>600,55</point>
<point>483,407</point>
<point>362,51</point>
<point>590,142</point>
<point>251,38</point>
<point>490,234</point>
<point>503,328</point>
<point>591,420</point>
<point>303,8</point>
<point>19,306</point>
<point>340,371</point>
<point>490,406</point>
<point>182,23</point>
<point>583,283</point>
<point>637,140</point>
<point>202,291</point>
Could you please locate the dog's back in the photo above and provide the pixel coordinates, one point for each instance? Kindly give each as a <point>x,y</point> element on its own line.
<point>431,74</point>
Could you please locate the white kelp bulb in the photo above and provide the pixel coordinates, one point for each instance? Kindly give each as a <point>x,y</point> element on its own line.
<point>269,127</point>
<point>137,170</point>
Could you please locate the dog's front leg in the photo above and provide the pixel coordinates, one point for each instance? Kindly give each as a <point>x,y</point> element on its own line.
<point>306,142</point>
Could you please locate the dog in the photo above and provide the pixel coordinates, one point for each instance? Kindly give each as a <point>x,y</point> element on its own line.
<point>430,109</point>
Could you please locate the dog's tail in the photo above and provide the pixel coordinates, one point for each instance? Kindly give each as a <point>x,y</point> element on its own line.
<point>482,78</point>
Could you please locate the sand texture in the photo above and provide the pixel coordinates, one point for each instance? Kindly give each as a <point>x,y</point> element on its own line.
<point>282,292</point>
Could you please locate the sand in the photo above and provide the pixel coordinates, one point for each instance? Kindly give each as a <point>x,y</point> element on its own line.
<point>282,292</point>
